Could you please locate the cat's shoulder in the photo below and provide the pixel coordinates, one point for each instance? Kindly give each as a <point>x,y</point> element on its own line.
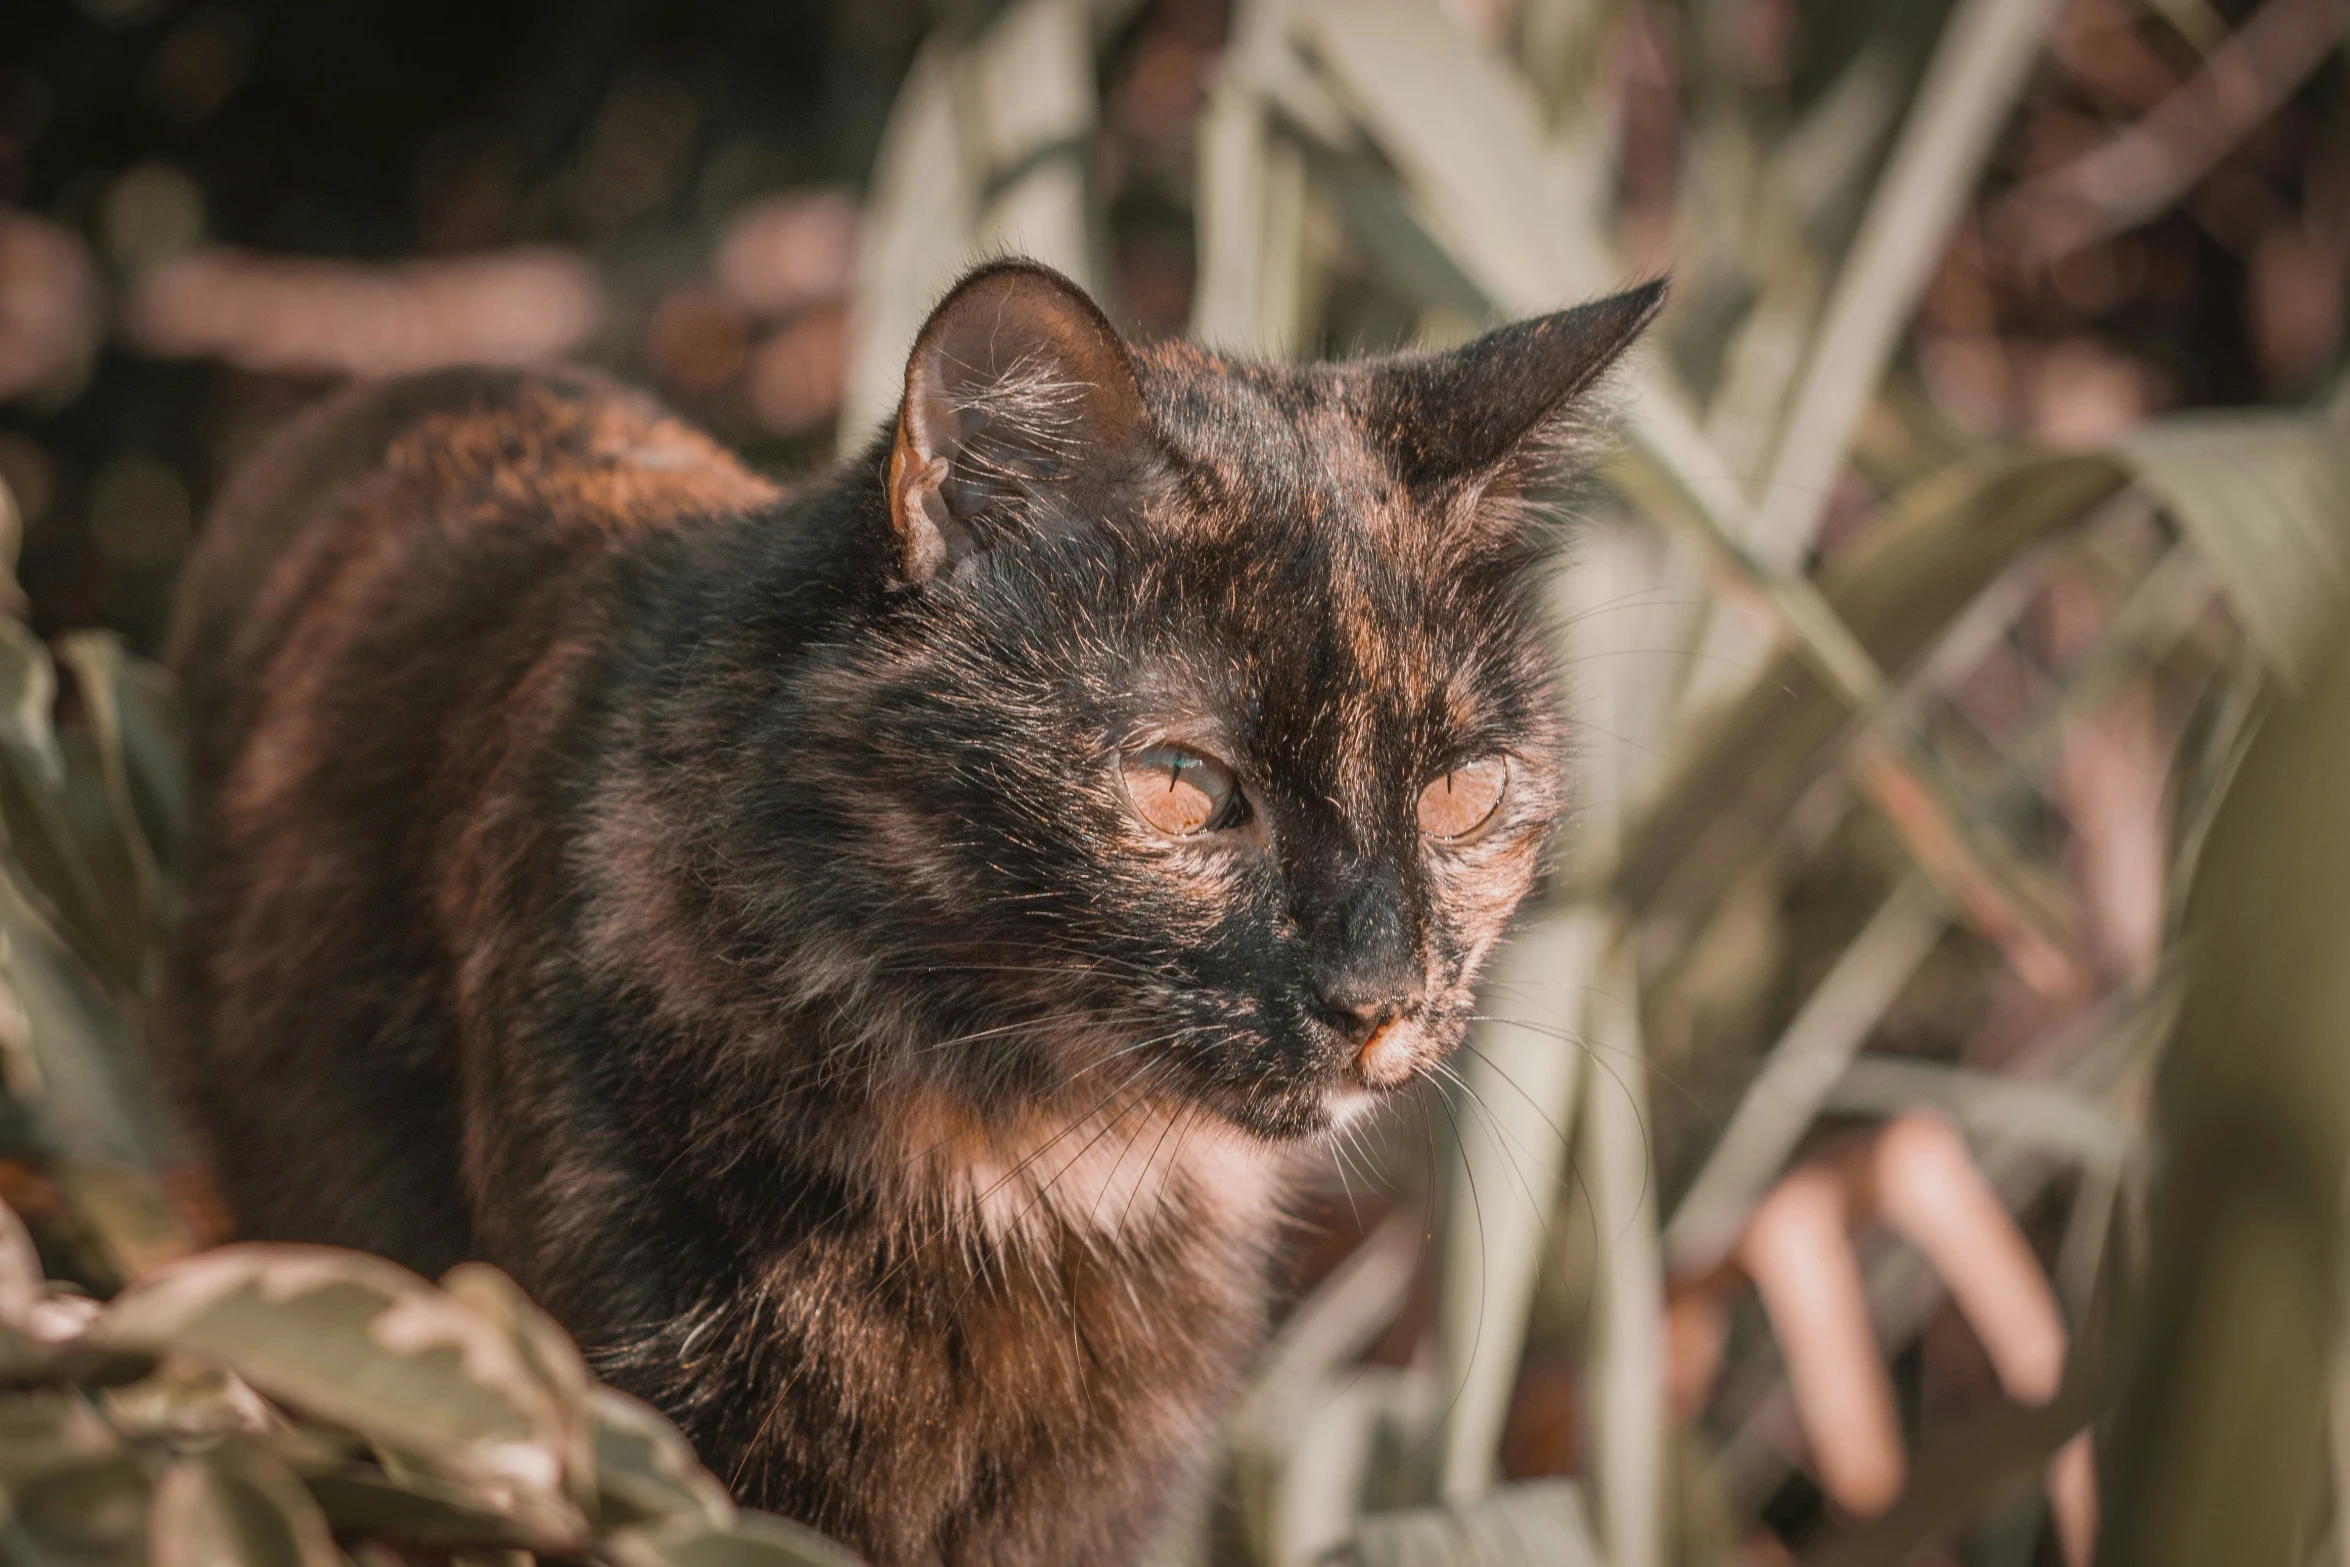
<point>570,442</point>
<point>566,459</point>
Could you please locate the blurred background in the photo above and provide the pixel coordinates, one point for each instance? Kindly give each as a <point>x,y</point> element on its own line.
<point>1985,488</point>
<point>215,210</point>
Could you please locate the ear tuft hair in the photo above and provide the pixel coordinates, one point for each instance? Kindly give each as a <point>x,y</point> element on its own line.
<point>1017,382</point>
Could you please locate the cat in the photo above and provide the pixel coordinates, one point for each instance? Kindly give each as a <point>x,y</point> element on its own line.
<point>864,957</point>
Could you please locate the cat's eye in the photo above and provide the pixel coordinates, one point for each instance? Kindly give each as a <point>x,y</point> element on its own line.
<point>1459,801</point>
<point>1181,791</point>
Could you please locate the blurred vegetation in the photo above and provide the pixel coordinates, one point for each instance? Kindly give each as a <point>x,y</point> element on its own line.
<point>284,1406</point>
<point>1809,1189</point>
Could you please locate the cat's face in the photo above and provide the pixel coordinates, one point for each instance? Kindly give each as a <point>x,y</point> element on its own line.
<point>1212,725</point>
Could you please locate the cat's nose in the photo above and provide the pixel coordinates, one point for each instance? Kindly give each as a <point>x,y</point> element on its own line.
<point>1373,976</point>
<point>1359,1015</point>
<point>1364,1003</point>
<point>1378,1039</point>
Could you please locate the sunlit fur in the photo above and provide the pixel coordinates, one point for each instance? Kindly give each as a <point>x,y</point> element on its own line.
<point>618,871</point>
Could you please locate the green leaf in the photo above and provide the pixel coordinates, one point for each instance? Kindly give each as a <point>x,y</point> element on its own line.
<point>2266,498</point>
<point>89,1512</point>
<point>1465,132</point>
<point>48,1430</point>
<point>645,1469</point>
<point>1539,1523</point>
<point>236,1506</point>
<point>92,1088</point>
<point>135,719</point>
<point>754,1540</point>
<point>129,927</point>
<point>361,1499</point>
<point>41,840</point>
<point>186,1400</point>
<point>118,837</point>
<point>369,1346</point>
<point>546,1351</point>
<point>123,1201</point>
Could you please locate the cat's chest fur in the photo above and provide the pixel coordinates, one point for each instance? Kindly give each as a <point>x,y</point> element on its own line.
<point>1013,1362</point>
<point>1103,1174</point>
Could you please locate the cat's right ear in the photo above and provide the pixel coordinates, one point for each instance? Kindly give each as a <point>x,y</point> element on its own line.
<point>1017,383</point>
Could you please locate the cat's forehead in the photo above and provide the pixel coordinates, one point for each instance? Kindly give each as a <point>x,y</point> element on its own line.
<point>1267,446</point>
<point>1348,628</point>
<point>1284,485</point>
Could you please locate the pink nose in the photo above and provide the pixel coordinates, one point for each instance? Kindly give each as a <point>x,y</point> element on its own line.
<point>1386,1056</point>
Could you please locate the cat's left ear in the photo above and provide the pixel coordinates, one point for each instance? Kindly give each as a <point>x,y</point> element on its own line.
<point>1017,384</point>
<point>1464,415</point>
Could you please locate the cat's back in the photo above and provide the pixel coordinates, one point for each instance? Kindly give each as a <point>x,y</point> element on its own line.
<point>382,643</point>
<point>466,482</point>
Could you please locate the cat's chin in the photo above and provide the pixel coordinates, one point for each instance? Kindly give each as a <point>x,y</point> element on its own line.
<point>1303,1115</point>
<point>1349,1103</point>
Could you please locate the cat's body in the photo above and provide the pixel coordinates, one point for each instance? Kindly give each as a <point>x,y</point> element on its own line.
<point>767,927</point>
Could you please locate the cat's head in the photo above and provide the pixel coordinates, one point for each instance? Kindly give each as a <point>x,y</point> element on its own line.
<point>1208,731</point>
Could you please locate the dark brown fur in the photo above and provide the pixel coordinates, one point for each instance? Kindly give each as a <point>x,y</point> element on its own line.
<point>711,906</point>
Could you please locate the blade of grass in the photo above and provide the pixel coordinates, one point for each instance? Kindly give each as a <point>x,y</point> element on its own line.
<point>2065,1123</point>
<point>1536,1522</point>
<point>1302,1375</point>
<point>2266,498</point>
<point>2217,1441</point>
<point>1801,1071</point>
<point>1965,853</point>
<point>1465,132</point>
<point>1031,83</point>
<point>1251,200</point>
<point>1987,52</point>
<point>1825,154</point>
<point>1626,1367</point>
<point>916,235</point>
<point>1519,1084</point>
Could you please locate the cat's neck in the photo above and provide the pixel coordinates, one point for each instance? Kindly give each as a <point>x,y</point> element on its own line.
<point>1092,1172</point>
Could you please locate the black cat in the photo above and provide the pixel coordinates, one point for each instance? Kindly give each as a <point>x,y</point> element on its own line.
<point>860,957</point>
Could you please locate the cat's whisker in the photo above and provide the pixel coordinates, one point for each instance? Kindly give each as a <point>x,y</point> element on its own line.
<point>1597,1055</point>
<point>1511,1147</point>
<point>1127,1212</point>
<point>1338,1152</point>
<point>793,1082</point>
<point>1591,1048</point>
<point>1180,1119</point>
<point>1012,1231</point>
<point>1590,1208</point>
<point>1564,1137</point>
<point>1477,1338</point>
